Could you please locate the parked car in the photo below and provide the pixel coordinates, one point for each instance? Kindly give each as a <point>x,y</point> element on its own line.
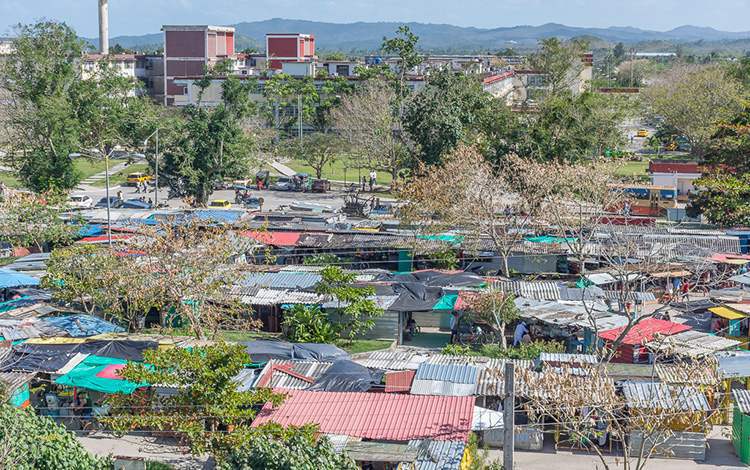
<point>220,204</point>
<point>80,201</point>
<point>642,133</point>
<point>136,204</point>
<point>284,183</point>
<point>135,178</point>
<point>114,203</point>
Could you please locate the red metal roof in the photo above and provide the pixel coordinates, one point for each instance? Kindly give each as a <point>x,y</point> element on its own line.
<point>103,238</point>
<point>381,416</point>
<point>496,78</point>
<point>644,331</point>
<point>399,381</point>
<point>274,238</point>
<point>674,167</point>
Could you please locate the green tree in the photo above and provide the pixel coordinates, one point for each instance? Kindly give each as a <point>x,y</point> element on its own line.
<point>730,145</point>
<point>357,311</point>
<point>276,448</point>
<point>559,61</point>
<point>31,442</point>
<point>210,145</point>
<point>206,403</point>
<point>308,324</point>
<point>724,199</point>
<point>451,109</point>
<point>43,130</point>
<point>317,150</point>
<point>619,52</point>
<point>404,46</point>
<point>494,308</point>
<point>34,221</point>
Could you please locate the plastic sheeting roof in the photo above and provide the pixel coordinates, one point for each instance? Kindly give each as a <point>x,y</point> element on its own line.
<point>381,416</point>
<point>82,325</point>
<point>10,278</point>
<point>87,375</point>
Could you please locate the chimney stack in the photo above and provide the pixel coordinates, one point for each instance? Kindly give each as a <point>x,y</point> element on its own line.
<point>104,26</point>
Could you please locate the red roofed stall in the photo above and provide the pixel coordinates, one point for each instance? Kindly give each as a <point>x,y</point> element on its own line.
<point>380,416</point>
<point>632,349</point>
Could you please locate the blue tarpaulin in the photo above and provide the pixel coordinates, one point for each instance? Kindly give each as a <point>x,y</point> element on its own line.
<point>10,278</point>
<point>82,325</point>
<point>90,230</point>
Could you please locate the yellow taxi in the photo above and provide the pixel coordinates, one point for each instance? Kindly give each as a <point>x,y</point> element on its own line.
<point>135,178</point>
<point>642,133</point>
<point>220,204</point>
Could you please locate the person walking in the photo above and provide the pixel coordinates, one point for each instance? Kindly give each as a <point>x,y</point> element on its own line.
<point>454,328</point>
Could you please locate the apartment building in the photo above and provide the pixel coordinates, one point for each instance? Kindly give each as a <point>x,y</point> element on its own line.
<point>189,50</point>
<point>289,47</point>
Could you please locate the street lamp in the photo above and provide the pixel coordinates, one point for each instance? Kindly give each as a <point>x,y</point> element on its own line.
<point>156,165</point>
<point>106,183</point>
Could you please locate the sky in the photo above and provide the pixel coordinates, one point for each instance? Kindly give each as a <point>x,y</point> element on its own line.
<point>135,17</point>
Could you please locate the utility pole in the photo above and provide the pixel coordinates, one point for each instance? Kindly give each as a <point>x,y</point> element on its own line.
<point>508,416</point>
<point>299,118</point>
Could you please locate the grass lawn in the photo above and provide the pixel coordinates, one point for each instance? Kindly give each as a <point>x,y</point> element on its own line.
<point>364,345</point>
<point>633,169</point>
<point>336,172</point>
<point>9,179</point>
<point>117,179</point>
<point>88,167</point>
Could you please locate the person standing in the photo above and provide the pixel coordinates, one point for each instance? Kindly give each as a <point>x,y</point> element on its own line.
<point>373,179</point>
<point>454,328</point>
<point>521,330</point>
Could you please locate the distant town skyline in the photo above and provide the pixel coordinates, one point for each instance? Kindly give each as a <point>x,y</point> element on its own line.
<point>136,17</point>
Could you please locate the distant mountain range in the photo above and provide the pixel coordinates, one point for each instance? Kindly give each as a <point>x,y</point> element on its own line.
<point>362,37</point>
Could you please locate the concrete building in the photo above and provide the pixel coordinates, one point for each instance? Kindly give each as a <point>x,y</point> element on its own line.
<point>189,50</point>
<point>678,174</point>
<point>289,47</point>
<point>531,85</point>
<point>149,69</point>
<point>501,85</point>
<point>340,68</point>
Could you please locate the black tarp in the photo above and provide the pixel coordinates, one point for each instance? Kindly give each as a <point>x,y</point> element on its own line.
<point>347,376</point>
<point>435,278</point>
<point>415,297</point>
<point>265,350</point>
<point>51,357</point>
<point>38,357</point>
<point>319,352</point>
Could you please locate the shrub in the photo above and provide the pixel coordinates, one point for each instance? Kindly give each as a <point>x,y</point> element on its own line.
<point>308,324</point>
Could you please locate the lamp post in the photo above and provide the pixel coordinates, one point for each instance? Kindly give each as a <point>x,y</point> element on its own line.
<point>156,165</point>
<point>106,184</point>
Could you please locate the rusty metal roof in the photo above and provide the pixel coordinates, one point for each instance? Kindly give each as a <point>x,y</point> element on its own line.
<point>381,416</point>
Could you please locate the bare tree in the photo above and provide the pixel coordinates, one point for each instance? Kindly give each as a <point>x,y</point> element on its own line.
<point>484,202</point>
<point>368,120</point>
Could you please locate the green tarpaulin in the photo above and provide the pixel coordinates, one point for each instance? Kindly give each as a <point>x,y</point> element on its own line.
<point>444,237</point>
<point>84,375</point>
<point>446,302</point>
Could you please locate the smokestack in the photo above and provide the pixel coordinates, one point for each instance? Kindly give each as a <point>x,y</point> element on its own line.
<point>104,26</point>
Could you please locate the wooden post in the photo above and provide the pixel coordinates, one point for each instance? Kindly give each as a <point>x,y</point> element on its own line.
<point>508,416</point>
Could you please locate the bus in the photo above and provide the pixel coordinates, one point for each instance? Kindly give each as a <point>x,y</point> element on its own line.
<point>647,200</point>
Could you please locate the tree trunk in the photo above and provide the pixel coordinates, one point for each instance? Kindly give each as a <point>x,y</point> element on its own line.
<point>505,266</point>
<point>503,340</point>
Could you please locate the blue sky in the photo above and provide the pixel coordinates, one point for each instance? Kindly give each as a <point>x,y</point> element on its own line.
<point>144,16</point>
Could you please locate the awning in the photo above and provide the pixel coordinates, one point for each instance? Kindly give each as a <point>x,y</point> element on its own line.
<point>728,313</point>
<point>446,302</point>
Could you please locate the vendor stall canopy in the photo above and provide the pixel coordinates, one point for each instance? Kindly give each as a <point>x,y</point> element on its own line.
<point>100,374</point>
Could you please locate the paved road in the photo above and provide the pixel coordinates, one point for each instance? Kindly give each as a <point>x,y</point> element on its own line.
<point>139,446</point>
<point>719,455</point>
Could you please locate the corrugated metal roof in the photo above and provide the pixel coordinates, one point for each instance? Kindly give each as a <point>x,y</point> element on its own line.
<point>256,296</point>
<point>539,290</point>
<point>481,362</point>
<point>654,395</point>
<point>392,360</point>
<point>245,379</point>
<point>679,375</point>
<point>742,399</point>
<point>381,301</point>
<point>692,343</point>
<point>438,455</point>
<point>563,358</point>
<point>280,379</point>
<point>381,416</point>
<point>281,280</point>
<point>13,380</point>
<point>399,381</point>
<point>734,364</point>
<point>441,387</point>
<point>645,331</point>
<point>456,373</point>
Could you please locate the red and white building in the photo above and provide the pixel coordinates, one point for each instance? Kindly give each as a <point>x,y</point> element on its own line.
<point>289,47</point>
<point>189,50</point>
<point>679,174</point>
